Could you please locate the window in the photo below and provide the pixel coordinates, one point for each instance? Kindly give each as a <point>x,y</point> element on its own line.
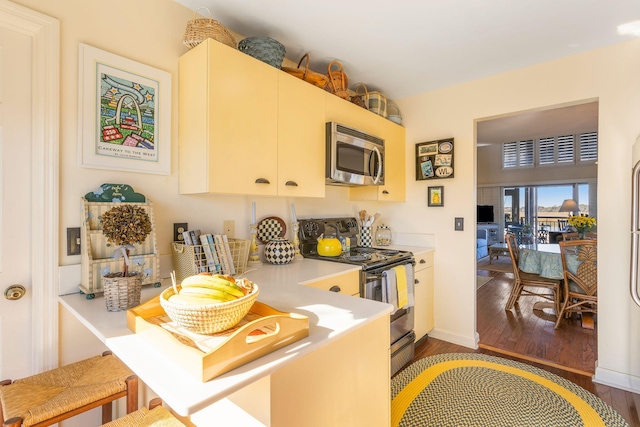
<point>517,154</point>
<point>550,151</point>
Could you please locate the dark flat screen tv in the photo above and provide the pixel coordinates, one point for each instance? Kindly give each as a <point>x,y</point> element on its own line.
<point>485,213</point>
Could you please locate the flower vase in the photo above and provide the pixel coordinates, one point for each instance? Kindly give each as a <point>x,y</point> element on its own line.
<point>121,293</point>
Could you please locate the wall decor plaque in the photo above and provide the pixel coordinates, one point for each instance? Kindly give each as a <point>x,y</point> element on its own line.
<point>434,159</point>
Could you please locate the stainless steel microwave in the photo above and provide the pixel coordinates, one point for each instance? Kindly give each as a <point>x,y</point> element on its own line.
<point>353,157</point>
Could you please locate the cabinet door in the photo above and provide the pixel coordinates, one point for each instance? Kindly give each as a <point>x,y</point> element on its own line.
<point>349,114</point>
<point>301,138</point>
<point>423,290</point>
<point>228,122</point>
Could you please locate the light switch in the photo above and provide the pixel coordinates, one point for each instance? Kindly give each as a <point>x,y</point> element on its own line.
<point>459,224</point>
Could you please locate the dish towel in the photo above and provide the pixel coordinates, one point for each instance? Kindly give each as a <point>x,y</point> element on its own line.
<point>398,287</point>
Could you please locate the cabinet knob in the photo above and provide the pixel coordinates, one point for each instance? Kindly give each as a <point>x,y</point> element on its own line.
<point>385,192</point>
<point>335,288</point>
<point>416,281</point>
<point>291,183</point>
<point>422,261</point>
<point>262,181</point>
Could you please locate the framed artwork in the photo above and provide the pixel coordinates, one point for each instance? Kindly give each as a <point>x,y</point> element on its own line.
<point>434,159</point>
<point>124,114</point>
<point>435,196</point>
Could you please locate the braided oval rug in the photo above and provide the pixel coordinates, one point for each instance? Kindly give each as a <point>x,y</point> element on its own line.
<point>467,389</point>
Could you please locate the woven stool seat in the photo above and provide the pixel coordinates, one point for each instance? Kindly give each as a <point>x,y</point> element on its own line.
<point>143,417</point>
<point>54,395</point>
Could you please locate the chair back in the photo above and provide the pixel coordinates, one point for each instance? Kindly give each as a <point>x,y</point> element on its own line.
<point>570,236</point>
<point>563,224</point>
<point>580,265</point>
<point>514,252</point>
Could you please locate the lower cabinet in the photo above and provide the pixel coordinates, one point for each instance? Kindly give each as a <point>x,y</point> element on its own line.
<point>347,283</point>
<point>423,292</point>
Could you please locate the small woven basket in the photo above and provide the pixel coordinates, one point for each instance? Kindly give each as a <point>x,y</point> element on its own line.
<point>121,293</point>
<point>375,102</point>
<point>265,49</point>
<point>305,74</point>
<point>338,81</point>
<point>200,29</point>
<point>208,318</point>
<point>393,113</point>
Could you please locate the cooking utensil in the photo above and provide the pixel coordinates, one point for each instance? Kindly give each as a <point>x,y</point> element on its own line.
<point>329,246</point>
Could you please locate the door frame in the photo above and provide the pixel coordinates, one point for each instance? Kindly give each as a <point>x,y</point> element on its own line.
<point>45,35</point>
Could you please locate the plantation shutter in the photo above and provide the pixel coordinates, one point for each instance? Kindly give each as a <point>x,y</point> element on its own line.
<point>510,155</point>
<point>546,151</point>
<point>565,149</point>
<point>525,152</point>
<point>589,147</point>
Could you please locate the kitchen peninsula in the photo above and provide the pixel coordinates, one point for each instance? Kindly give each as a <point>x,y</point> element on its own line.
<point>338,375</point>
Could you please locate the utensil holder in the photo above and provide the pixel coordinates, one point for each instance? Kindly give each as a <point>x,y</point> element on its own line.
<point>365,236</point>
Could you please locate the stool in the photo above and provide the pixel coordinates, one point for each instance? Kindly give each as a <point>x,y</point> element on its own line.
<point>55,395</point>
<point>155,415</point>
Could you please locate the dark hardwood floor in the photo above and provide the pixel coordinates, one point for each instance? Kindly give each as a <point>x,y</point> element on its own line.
<point>529,337</point>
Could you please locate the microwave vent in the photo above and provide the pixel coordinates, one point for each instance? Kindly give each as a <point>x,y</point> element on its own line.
<point>358,134</point>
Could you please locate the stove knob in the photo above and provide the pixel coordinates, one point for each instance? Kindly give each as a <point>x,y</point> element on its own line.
<point>335,288</point>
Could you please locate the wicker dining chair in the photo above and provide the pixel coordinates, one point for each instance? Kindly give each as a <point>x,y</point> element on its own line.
<point>576,236</point>
<point>529,284</point>
<point>580,267</point>
<point>55,395</point>
<point>155,415</point>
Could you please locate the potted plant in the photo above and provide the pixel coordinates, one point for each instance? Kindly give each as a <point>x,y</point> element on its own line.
<point>582,224</point>
<point>124,225</point>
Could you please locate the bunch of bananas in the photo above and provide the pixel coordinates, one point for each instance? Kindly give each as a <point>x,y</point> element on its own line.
<point>205,288</point>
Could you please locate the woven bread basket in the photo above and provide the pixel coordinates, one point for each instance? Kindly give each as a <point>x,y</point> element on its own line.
<point>306,74</point>
<point>200,29</point>
<point>265,49</point>
<point>208,318</point>
<point>338,81</point>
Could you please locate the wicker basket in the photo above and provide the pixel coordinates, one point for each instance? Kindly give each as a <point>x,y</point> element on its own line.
<point>200,29</point>
<point>338,81</point>
<point>189,259</point>
<point>208,318</point>
<point>121,293</point>
<point>375,102</point>
<point>307,75</point>
<point>265,49</point>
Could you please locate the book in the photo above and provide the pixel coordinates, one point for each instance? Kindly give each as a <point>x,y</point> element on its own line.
<point>222,254</point>
<point>186,237</point>
<point>214,253</point>
<point>200,260</point>
<point>211,265</point>
<point>227,250</point>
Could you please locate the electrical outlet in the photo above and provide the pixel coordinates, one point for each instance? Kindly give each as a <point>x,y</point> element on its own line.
<point>229,227</point>
<point>459,224</point>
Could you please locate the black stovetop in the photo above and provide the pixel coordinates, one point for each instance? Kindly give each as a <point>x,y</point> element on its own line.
<point>367,257</point>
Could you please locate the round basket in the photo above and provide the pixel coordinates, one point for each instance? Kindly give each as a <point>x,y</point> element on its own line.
<point>265,49</point>
<point>208,318</point>
<point>200,29</point>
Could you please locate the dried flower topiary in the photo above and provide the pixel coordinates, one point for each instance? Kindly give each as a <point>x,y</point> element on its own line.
<point>125,225</point>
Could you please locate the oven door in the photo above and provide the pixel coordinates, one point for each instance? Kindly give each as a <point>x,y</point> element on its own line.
<point>402,321</point>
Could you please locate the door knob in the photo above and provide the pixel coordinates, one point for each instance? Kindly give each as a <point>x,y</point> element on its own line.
<point>14,292</point>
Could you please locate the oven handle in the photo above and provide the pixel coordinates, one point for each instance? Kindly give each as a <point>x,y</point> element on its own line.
<point>377,273</point>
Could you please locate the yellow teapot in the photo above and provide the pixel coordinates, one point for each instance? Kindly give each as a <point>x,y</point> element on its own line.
<point>329,246</point>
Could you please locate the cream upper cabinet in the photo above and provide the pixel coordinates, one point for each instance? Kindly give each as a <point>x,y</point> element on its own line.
<point>247,127</point>
<point>349,114</point>
<point>301,138</point>
<point>423,293</point>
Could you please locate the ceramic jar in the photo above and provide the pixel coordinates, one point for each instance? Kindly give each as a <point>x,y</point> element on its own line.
<point>279,251</point>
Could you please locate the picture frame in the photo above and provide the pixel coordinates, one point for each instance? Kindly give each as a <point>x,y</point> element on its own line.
<point>435,196</point>
<point>124,114</point>
<point>434,160</point>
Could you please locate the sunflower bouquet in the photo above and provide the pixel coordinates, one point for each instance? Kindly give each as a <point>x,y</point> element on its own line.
<point>582,224</point>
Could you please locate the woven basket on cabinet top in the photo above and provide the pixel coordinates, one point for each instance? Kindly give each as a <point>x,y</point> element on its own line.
<point>200,29</point>
<point>375,102</point>
<point>338,81</point>
<point>265,49</point>
<point>306,74</point>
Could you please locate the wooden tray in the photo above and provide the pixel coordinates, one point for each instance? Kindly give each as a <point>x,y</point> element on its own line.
<point>263,330</point>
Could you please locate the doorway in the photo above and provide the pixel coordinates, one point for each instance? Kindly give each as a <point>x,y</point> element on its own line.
<point>537,142</point>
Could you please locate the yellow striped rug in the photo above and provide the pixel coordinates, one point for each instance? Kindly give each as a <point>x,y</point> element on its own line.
<point>467,389</point>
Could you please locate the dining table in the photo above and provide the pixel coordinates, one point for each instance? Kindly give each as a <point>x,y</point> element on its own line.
<point>545,259</point>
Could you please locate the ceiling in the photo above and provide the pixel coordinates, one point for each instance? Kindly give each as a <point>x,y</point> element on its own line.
<point>415,46</point>
<point>410,47</point>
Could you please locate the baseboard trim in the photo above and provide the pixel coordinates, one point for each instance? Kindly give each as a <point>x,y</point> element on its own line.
<point>617,379</point>
<point>536,360</point>
<point>464,341</point>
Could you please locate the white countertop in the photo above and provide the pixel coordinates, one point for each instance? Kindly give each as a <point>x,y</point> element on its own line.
<point>331,316</point>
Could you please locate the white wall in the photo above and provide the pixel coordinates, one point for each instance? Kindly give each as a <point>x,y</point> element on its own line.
<point>608,75</point>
